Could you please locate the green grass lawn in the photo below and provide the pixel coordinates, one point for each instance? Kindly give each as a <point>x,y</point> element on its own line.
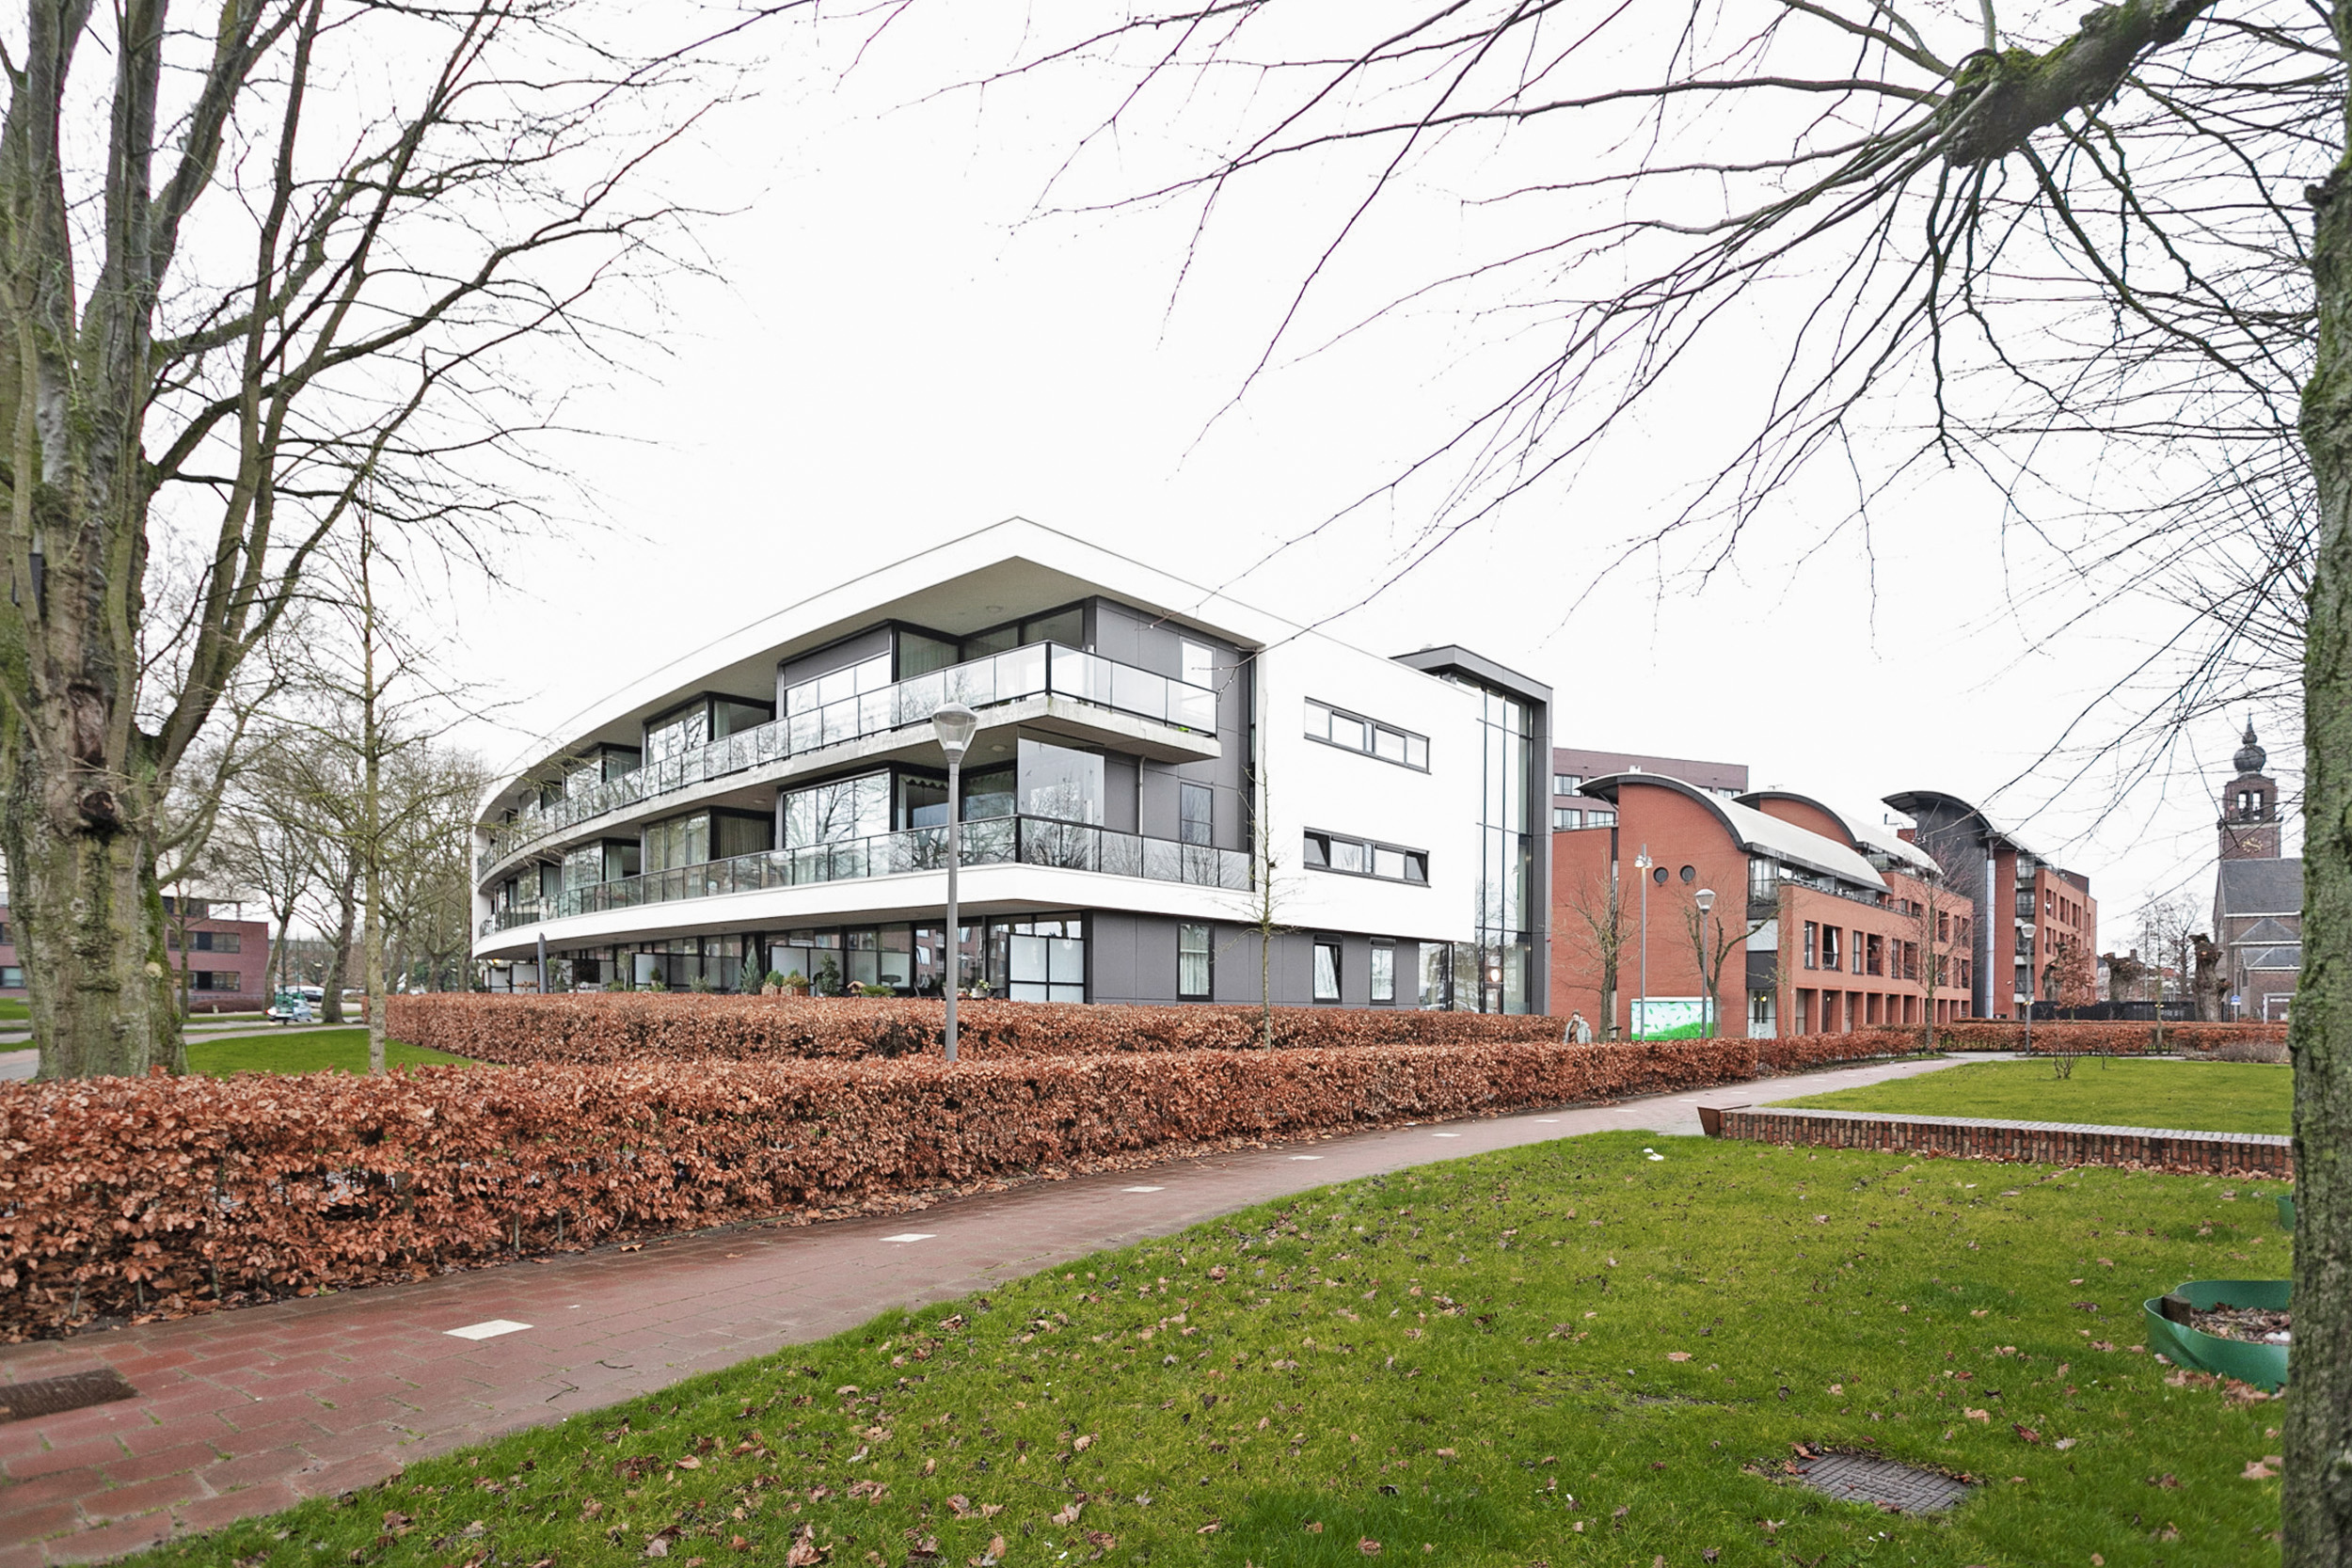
<point>316,1051</point>
<point>1568,1354</point>
<point>2209,1096</point>
<point>14,1009</point>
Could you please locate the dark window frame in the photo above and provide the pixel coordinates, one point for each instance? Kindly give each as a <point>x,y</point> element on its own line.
<point>1315,839</point>
<point>1338,972</point>
<point>1373,728</point>
<point>1208,960</point>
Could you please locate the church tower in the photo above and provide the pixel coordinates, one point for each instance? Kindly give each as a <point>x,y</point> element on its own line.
<point>2249,807</point>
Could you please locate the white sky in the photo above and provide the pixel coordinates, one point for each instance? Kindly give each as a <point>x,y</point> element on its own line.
<point>896,348</point>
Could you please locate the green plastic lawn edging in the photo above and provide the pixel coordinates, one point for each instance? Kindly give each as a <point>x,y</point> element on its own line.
<point>2263,1366</point>
<point>2286,1211</point>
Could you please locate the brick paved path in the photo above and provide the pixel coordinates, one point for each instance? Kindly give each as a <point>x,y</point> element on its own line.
<point>250,1411</point>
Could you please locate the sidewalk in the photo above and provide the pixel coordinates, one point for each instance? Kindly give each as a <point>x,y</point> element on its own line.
<point>248,1412</point>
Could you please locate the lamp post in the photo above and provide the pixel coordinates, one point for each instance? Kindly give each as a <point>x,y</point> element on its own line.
<point>1704,899</point>
<point>1640,1003</point>
<point>954,725</point>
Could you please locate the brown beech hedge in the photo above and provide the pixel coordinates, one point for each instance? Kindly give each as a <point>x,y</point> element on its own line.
<point>599,1026</point>
<point>120,1196</point>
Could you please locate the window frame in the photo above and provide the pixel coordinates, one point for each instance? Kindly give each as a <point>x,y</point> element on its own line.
<point>1317,848</point>
<point>1412,744</point>
<point>1338,950</point>
<point>1207,954</point>
<point>1383,946</point>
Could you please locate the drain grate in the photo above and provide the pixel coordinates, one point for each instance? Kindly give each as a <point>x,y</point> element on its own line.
<point>1861,1478</point>
<point>54,1396</point>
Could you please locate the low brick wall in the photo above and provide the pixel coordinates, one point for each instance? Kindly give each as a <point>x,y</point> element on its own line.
<point>2044,1143</point>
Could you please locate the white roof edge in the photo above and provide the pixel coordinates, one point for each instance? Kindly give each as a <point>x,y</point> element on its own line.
<point>1759,833</point>
<point>1011,539</point>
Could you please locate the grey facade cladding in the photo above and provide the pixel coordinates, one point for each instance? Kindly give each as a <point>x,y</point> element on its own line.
<point>1132,958</point>
<point>1150,643</point>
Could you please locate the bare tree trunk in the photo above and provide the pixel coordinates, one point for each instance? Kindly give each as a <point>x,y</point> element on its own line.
<point>338,960</point>
<point>371,797</point>
<point>2317,1503</point>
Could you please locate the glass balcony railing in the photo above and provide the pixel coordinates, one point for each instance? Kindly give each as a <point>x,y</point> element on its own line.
<point>993,841</point>
<point>1038,670</point>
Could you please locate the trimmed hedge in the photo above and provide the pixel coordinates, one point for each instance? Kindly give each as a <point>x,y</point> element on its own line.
<point>162,1195</point>
<point>620,1026</point>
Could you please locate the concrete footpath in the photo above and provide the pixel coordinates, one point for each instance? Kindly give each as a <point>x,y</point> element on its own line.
<point>248,1412</point>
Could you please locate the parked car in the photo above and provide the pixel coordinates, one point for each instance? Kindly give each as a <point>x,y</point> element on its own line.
<point>281,1008</point>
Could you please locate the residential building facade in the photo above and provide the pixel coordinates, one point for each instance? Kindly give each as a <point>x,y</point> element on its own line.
<point>2257,894</point>
<point>1814,921</point>
<point>2039,938</point>
<point>1161,774</point>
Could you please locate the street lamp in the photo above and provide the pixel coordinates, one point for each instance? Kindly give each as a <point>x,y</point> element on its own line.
<point>1640,1003</point>
<point>1704,899</point>
<point>954,725</point>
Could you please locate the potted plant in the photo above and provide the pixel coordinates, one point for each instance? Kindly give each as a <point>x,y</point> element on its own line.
<point>773,984</point>
<point>828,982</point>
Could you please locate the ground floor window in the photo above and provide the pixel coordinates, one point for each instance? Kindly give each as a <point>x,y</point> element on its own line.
<point>1762,1022</point>
<point>213,979</point>
<point>1192,961</point>
<point>1026,957</point>
<point>1383,971</point>
<point>1327,969</point>
<point>1041,959</point>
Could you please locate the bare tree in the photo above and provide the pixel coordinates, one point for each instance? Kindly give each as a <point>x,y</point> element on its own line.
<point>1597,903</point>
<point>1714,935</point>
<point>243,263</point>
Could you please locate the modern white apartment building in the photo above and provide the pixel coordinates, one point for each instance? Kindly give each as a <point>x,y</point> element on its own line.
<point>1156,765</point>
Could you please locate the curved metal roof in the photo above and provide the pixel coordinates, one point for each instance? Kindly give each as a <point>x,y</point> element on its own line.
<point>1755,831</point>
<point>1870,837</point>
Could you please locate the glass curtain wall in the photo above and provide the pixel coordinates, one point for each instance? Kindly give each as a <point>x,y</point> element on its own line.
<point>1499,980</point>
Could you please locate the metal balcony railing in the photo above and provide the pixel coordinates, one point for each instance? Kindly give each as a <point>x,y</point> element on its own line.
<point>993,841</point>
<point>1038,670</point>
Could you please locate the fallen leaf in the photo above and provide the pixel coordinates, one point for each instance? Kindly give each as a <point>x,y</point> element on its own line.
<point>1209,1528</point>
<point>739,1543</point>
<point>1368,1547</point>
<point>1677,1356</point>
<point>1315,1526</point>
<point>657,1546</point>
<point>1102,1540</point>
<point>803,1553</point>
<point>2257,1470</point>
<point>1085,1442</point>
<point>2026,1432</point>
<point>1977,1415</point>
<point>1821,1219</point>
<point>2063,1444</point>
<point>690,1462</point>
<point>1069,1515</point>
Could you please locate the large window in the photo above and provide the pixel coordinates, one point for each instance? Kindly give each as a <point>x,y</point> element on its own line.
<point>1058,783</point>
<point>836,812</point>
<point>1829,946</point>
<point>1196,809</point>
<point>1567,784</point>
<point>1327,969</point>
<point>675,733</point>
<point>1600,818</point>
<point>1812,944</point>
<point>1383,971</point>
<point>214,979</point>
<point>1193,961</point>
<point>678,841</point>
<point>1564,818</point>
<point>1763,879</point>
<point>1355,733</point>
<point>1042,959</point>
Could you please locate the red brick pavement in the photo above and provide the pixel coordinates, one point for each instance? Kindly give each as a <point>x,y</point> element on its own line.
<point>248,1412</point>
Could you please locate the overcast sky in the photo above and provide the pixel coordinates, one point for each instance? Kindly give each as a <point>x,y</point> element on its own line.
<point>897,345</point>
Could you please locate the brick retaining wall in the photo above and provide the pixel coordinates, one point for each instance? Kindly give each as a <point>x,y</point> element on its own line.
<point>2051,1143</point>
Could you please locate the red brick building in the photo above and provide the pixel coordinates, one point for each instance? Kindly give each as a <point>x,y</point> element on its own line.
<point>1817,921</point>
<point>222,961</point>
<point>2040,938</point>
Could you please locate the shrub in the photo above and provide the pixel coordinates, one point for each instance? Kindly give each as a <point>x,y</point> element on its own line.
<point>2250,1050</point>
<point>174,1194</point>
<point>533,1030</point>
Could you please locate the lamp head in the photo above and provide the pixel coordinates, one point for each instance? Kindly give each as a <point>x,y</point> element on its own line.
<point>955,725</point>
<point>1704,898</point>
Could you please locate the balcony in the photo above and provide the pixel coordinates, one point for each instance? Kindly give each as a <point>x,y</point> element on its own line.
<point>995,841</point>
<point>1039,669</point>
